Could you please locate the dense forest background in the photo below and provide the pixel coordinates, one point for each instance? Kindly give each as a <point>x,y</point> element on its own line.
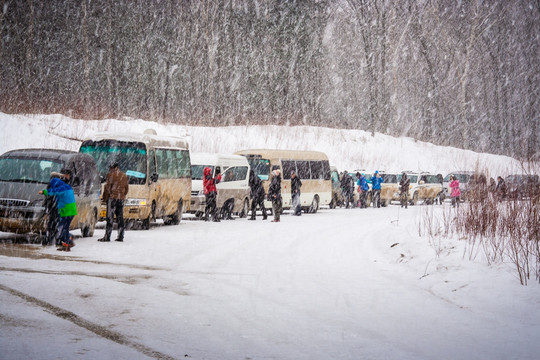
<point>458,73</point>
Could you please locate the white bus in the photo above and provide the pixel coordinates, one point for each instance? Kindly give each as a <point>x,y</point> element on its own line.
<point>312,167</point>
<point>233,190</point>
<point>158,170</point>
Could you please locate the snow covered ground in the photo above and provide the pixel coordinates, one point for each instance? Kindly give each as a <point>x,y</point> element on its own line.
<point>339,284</point>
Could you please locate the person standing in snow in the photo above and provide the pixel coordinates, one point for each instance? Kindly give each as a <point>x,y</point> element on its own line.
<point>347,188</point>
<point>376,182</point>
<point>404,184</point>
<point>257,195</point>
<point>501,188</point>
<point>67,208</point>
<point>455,191</point>
<point>274,194</point>
<point>114,195</point>
<point>210,193</point>
<point>363,189</point>
<point>296,184</point>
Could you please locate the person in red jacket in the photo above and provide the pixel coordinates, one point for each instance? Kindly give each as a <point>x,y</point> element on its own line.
<point>210,193</point>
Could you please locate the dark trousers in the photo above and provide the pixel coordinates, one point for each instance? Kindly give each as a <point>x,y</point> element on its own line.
<point>297,209</point>
<point>363,199</point>
<point>63,229</point>
<point>211,206</point>
<point>115,207</point>
<point>258,202</point>
<point>404,198</point>
<point>277,206</point>
<point>377,198</point>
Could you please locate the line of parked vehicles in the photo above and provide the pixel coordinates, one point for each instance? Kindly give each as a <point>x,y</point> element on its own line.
<point>165,180</point>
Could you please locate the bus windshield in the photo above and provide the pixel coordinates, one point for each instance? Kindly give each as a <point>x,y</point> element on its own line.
<point>261,167</point>
<point>130,156</point>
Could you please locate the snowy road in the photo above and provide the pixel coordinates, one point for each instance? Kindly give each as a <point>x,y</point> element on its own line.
<point>332,285</point>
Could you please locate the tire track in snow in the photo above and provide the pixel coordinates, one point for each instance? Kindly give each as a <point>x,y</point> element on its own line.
<point>88,325</point>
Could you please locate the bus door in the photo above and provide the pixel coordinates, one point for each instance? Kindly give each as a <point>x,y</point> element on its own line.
<point>154,180</point>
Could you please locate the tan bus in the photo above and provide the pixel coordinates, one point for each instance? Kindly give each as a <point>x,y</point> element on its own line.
<point>158,170</point>
<point>312,167</point>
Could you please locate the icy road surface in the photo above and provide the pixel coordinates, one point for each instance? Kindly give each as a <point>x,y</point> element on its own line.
<point>339,284</point>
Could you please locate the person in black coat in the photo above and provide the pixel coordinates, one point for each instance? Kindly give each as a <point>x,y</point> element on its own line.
<point>296,184</point>
<point>274,194</point>
<point>257,195</point>
<point>404,190</point>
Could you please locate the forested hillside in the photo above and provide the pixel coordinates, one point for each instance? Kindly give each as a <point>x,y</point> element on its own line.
<point>459,73</point>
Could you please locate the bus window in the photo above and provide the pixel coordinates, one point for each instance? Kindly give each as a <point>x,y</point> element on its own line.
<point>302,168</point>
<point>288,166</point>
<point>316,170</point>
<point>183,164</point>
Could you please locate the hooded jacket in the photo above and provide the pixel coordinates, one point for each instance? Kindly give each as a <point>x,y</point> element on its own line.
<point>362,183</point>
<point>376,182</point>
<point>255,184</point>
<point>209,182</point>
<point>274,191</point>
<point>65,198</point>
<point>454,185</point>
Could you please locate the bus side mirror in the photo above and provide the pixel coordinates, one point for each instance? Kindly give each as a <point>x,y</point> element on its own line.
<point>154,177</point>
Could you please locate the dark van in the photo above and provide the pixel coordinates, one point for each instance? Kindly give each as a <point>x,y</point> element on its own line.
<point>24,172</point>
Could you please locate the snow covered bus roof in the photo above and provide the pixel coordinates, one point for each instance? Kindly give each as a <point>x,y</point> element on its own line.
<point>199,158</point>
<point>285,154</point>
<point>148,137</point>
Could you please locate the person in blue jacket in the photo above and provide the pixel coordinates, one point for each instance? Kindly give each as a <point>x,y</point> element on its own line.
<point>67,209</point>
<point>376,182</point>
<point>363,189</point>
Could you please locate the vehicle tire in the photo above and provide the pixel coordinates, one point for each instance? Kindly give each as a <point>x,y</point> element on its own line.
<point>414,199</point>
<point>88,229</point>
<point>152,216</point>
<point>176,218</point>
<point>314,205</point>
<point>245,209</point>
<point>383,203</point>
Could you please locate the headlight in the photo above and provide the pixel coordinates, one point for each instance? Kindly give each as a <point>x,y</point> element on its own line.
<point>135,202</point>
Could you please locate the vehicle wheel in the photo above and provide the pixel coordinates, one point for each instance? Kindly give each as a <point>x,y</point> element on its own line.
<point>414,200</point>
<point>88,229</point>
<point>314,205</point>
<point>152,216</point>
<point>146,224</point>
<point>383,203</point>
<point>245,209</point>
<point>177,216</point>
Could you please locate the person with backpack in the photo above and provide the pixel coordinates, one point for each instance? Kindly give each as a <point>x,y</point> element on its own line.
<point>257,195</point>
<point>67,208</point>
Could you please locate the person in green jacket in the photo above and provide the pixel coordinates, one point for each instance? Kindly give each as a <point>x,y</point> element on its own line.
<point>67,208</point>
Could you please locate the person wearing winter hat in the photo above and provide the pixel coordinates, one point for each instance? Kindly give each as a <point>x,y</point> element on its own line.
<point>274,194</point>
<point>67,208</point>
<point>210,193</point>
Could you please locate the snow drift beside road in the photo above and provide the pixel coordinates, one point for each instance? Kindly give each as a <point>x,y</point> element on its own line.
<point>346,149</point>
